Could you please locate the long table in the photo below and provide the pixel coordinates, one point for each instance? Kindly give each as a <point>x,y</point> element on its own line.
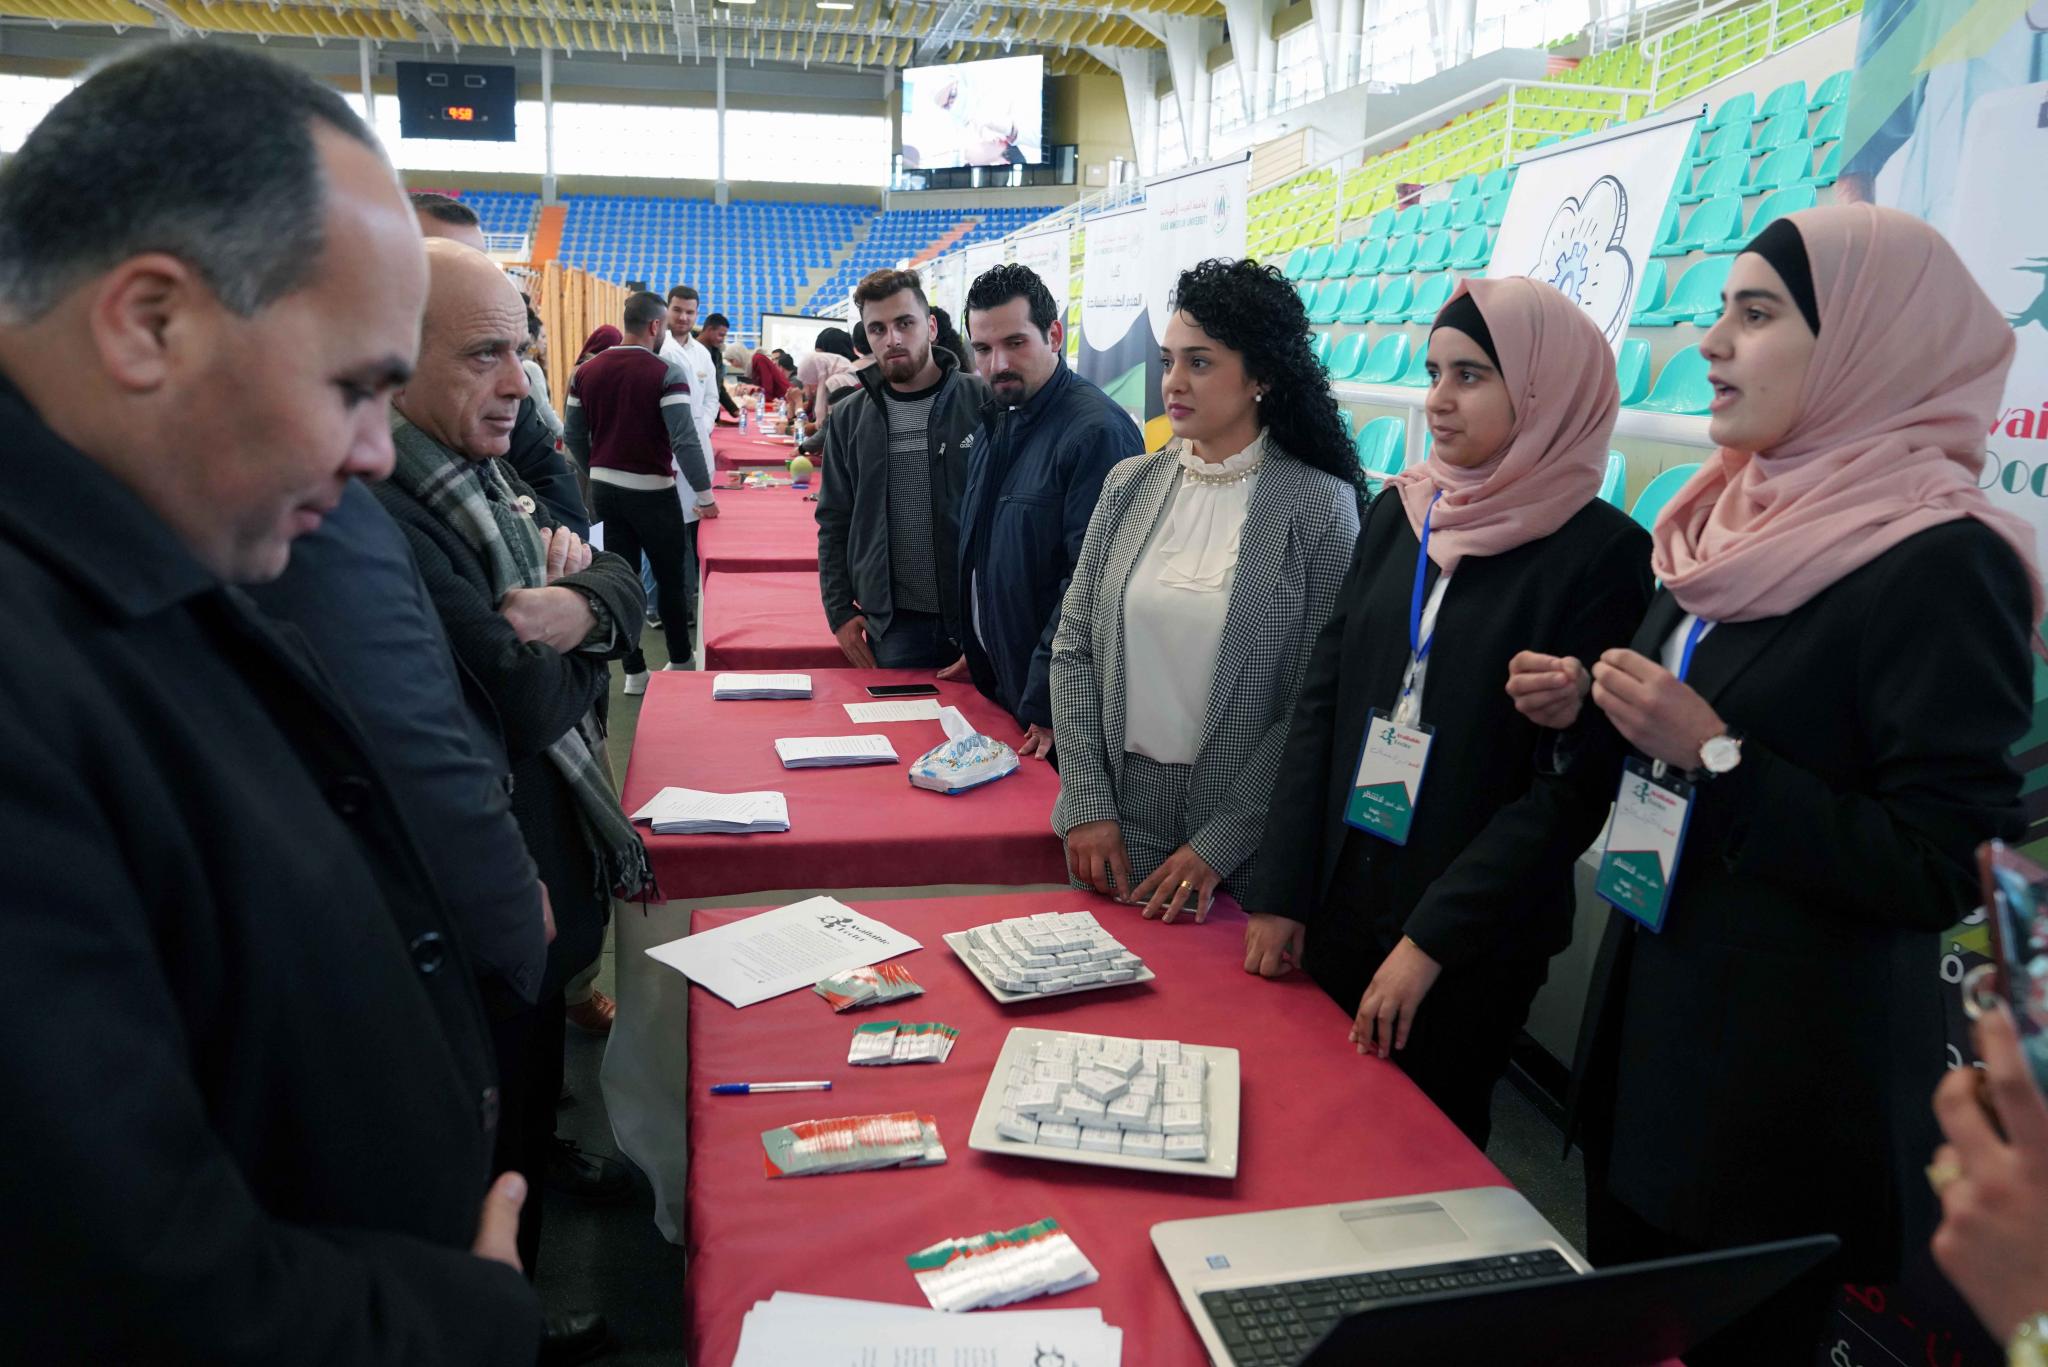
<point>732,451</point>
<point>1319,1123</point>
<point>764,529</point>
<point>849,828</point>
<point>767,620</point>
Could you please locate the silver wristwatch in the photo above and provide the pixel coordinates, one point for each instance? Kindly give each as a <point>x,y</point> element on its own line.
<point>1719,754</point>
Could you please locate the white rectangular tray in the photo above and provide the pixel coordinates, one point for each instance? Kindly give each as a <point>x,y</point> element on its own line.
<point>957,942</point>
<point>1222,1107</point>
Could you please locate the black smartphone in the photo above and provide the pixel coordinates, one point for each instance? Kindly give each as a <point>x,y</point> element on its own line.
<point>2016,904</point>
<point>903,690</point>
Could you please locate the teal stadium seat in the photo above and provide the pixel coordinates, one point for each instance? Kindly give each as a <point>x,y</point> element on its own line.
<point>1632,371</point>
<point>1359,297</point>
<point>1781,130</point>
<point>1829,93</point>
<point>1408,222</point>
<point>1433,252</point>
<point>1347,357</point>
<point>1719,143</point>
<point>1496,208</point>
<point>1472,251</point>
<point>1738,110</point>
<point>1297,262</point>
<point>1615,482</point>
<point>1666,242</point>
<point>1397,296</point>
<point>1326,342</point>
<point>1380,225</point>
<point>1497,181</point>
<point>1831,124</point>
<point>1329,298</point>
<point>1697,294</point>
<point>1681,386</point>
<point>1388,358</point>
<point>1416,376</point>
<point>1342,261</point>
<point>1466,188</point>
<point>1717,219</point>
<point>1430,296</point>
<point>1380,445</point>
<point>1724,177</point>
<point>1318,263</point>
<point>1786,99</point>
<point>1465,213</point>
<point>1658,492</point>
<point>1372,255</point>
<point>1830,168</point>
<point>1435,217</point>
<point>1400,258</point>
<point>1788,165</point>
<point>1776,205</point>
<point>1650,293</point>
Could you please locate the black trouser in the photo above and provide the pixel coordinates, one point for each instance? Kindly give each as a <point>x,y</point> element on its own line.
<point>650,521</point>
<point>528,1042</point>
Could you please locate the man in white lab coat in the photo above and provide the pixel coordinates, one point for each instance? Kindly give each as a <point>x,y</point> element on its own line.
<point>682,347</point>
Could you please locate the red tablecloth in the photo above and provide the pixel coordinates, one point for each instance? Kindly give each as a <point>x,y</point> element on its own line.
<point>760,529</point>
<point>731,451</point>
<point>1319,1123</point>
<point>862,827</point>
<point>767,621</point>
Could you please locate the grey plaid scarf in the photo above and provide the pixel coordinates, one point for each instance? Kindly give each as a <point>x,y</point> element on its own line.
<point>477,502</point>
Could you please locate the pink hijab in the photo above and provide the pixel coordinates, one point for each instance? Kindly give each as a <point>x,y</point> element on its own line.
<point>1559,371</point>
<point>1905,380</point>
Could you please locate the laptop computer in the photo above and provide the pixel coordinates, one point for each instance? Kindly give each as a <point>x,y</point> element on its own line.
<point>1264,1288</point>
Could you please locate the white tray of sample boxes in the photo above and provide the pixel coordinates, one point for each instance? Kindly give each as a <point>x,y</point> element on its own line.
<point>1115,1103</point>
<point>1029,957</point>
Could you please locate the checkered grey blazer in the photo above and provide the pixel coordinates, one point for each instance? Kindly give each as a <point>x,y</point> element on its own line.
<point>1299,533</point>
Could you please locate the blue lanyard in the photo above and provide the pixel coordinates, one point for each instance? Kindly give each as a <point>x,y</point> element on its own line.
<point>1692,640</point>
<point>1417,642</point>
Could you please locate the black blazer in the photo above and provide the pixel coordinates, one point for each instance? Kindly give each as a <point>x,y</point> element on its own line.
<point>1763,1066</point>
<point>1486,875</point>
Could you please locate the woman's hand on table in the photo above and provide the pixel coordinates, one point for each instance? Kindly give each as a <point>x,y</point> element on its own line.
<point>1095,856</point>
<point>1660,716</point>
<point>1185,882</point>
<point>1549,690</point>
<point>1037,742</point>
<point>1387,1011</point>
<point>1272,944</point>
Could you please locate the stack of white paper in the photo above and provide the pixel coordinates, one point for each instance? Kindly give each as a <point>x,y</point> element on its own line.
<point>734,687</point>
<point>779,951</point>
<point>913,709</point>
<point>825,752</point>
<point>686,811</point>
<point>831,1332</point>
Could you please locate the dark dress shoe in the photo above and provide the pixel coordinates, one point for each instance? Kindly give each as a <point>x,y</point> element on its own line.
<point>567,1339</point>
<point>586,1176</point>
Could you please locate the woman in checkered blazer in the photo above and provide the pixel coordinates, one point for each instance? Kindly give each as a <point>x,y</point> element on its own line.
<point>1205,575</point>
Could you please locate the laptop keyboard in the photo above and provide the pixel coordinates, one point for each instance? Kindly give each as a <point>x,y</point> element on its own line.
<point>1275,1326</point>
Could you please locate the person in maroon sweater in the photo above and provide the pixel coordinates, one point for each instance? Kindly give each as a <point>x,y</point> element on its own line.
<point>770,378</point>
<point>628,420</point>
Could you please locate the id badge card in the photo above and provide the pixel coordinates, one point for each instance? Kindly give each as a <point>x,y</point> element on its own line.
<point>1645,836</point>
<point>1389,781</point>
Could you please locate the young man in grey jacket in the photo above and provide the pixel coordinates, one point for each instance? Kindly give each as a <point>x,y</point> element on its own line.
<point>896,458</point>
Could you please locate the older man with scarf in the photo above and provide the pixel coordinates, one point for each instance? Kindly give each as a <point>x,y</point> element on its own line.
<point>532,616</point>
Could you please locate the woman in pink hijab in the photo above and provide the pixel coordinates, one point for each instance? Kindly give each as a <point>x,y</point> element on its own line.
<point>1835,672</point>
<point>1430,904</point>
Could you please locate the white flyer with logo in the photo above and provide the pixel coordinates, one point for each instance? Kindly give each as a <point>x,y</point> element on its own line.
<point>782,950</point>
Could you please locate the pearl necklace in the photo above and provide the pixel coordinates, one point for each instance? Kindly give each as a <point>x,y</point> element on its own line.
<point>1237,478</point>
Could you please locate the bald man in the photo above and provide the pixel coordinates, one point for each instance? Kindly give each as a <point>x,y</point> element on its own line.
<point>532,616</point>
<point>534,455</point>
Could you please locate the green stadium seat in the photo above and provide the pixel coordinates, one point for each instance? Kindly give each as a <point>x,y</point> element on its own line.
<point>1496,208</point>
<point>1697,293</point>
<point>1473,251</point>
<point>1789,165</point>
<point>1785,99</point>
<point>1318,263</point>
<point>1400,258</point>
<point>1776,205</point>
<point>1739,110</point>
<point>1781,130</point>
<point>1650,293</point>
<point>1433,252</point>
<point>1416,376</point>
<point>1832,122</point>
<point>1435,217</point>
<point>1380,446</point>
<point>1724,177</point>
<point>1343,261</point>
<point>1386,361</point>
<point>1430,296</point>
<point>1829,93</point>
<point>1397,296</point>
<point>1632,371</point>
<point>1379,225</point>
<point>1615,482</point>
<point>1297,262</point>
<point>1681,386</point>
<point>1372,255</point>
<point>1359,297</point>
<point>1659,492</point>
<point>1347,357</point>
<point>1329,298</point>
<point>1830,168</point>
<point>1717,220</point>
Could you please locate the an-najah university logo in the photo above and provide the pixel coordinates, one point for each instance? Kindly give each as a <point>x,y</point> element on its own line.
<point>1219,213</point>
<point>835,922</point>
<point>2036,312</point>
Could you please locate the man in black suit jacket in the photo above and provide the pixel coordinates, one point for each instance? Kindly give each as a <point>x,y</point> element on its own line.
<point>250,1104</point>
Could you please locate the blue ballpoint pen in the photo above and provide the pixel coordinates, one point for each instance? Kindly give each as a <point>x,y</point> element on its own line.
<point>743,1088</point>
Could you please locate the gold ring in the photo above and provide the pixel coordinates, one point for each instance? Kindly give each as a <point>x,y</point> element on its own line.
<point>1940,1175</point>
<point>1185,884</point>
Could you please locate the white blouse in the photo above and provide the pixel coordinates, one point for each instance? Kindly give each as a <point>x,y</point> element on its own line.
<point>1177,601</point>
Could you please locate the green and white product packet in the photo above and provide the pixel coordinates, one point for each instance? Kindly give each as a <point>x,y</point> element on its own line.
<point>881,1042</point>
<point>873,985</point>
<point>1001,1267</point>
<point>852,1144</point>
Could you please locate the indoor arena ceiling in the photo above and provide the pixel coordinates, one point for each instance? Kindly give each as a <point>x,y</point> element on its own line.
<point>889,33</point>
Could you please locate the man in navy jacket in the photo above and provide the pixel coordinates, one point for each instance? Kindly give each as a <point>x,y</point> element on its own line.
<point>1048,437</point>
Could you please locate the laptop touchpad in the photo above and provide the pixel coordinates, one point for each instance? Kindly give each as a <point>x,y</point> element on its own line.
<point>1393,1228</point>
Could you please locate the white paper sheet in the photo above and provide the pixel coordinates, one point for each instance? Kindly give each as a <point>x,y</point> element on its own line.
<point>782,950</point>
<point>731,687</point>
<point>689,811</point>
<point>913,709</point>
<point>830,1332</point>
<point>821,752</point>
